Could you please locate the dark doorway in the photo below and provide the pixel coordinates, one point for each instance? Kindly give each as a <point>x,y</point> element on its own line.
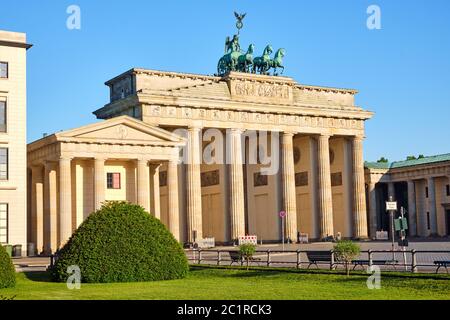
<point>447,214</point>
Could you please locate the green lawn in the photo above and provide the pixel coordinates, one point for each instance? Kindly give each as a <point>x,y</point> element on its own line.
<point>225,283</point>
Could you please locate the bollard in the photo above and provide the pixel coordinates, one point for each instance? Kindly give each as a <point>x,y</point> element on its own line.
<point>299,262</point>
<point>413,261</point>
<point>370,253</point>
<point>199,255</point>
<point>332,260</point>
<point>268,258</point>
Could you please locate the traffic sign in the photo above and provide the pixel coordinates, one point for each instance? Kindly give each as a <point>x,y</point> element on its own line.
<point>391,205</point>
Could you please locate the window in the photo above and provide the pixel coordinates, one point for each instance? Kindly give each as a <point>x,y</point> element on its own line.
<point>426,192</point>
<point>4,70</point>
<point>113,180</point>
<point>3,164</point>
<point>447,187</point>
<point>428,220</point>
<point>3,223</point>
<point>2,116</point>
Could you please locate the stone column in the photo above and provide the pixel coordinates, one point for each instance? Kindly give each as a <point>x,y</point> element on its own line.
<point>143,184</point>
<point>99,182</point>
<point>65,200</point>
<point>194,190</point>
<point>173,207</point>
<point>324,187</point>
<point>288,181</point>
<point>50,208</point>
<point>432,205</point>
<point>237,208</point>
<point>412,208</point>
<point>37,208</point>
<point>359,190</point>
<point>373,220</point>
<point>155,205</point>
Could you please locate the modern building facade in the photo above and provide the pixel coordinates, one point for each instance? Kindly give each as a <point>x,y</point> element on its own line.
<point>286,147</point>
<point>421,186</point>
<point>13,193</point>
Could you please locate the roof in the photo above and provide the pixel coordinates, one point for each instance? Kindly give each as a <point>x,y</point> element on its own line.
<point>117,130</point>
<point>14,39</point>
<point>408,163</point>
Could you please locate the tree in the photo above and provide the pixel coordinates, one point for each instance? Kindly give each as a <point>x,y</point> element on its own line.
<point>247,251</point>
<point>121,242</point>
<point>408,158</point>
<point>346,251</point>
<point>383,160</point>
<point>7,271</point>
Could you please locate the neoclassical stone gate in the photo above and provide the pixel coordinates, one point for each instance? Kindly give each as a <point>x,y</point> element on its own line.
<point>321,178</point>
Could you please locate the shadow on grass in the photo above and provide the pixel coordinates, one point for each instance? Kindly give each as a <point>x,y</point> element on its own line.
<point>267,271</point>
<point>259,271</point>
<point>38,276</point>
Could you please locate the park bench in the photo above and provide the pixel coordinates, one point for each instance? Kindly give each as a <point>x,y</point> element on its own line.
<point>315,257</point>
<point>442,263</point>
<point>235,257</point>
<point>380,262</point>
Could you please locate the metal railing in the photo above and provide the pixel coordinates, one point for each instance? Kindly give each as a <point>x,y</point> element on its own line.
<point>408,260</point>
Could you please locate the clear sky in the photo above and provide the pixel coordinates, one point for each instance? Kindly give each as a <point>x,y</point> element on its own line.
<point>402,71</point>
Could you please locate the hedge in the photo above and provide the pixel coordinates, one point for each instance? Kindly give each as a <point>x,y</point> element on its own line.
<point>7,270</point>
<point>121,242</point>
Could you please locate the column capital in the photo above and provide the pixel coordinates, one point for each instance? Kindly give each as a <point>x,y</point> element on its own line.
<point>36,166</point>
<point>64,158</point>
<point>141,160</point>
<point>288,133</point>
<point>357,138</point>
<point>48,164</point>
<point>194,128</point>
<point>236,130</point>
<point>324,135</point>
<point>154,165</point>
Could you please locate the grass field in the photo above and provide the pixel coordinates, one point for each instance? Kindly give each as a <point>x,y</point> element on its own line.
<point>225,283</point>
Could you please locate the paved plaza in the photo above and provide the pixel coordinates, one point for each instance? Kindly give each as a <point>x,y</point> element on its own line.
<point>288,259</point>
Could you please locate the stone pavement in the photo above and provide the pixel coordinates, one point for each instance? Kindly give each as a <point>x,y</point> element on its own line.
<point>29,264</point>
<point>286,259</point>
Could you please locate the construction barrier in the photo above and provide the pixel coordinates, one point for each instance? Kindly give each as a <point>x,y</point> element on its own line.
<point>248,240</point>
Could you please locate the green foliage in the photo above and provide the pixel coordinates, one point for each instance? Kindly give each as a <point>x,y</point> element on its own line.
<point>382,160</point>
<point>122,243</point>
<point>7,270</point>
<point>247,251</point>
<point>345,251</point>
<point>421,156</point>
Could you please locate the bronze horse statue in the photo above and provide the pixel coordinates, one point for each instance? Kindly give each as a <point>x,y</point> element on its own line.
<point>277,61</point>
<point>246,60</point>
<point>262,64</point>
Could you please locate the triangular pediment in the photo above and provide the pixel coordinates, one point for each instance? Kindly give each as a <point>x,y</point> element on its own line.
<point>121,129</point>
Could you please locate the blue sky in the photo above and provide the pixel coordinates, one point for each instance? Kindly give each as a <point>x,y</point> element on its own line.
<point>401,71</point>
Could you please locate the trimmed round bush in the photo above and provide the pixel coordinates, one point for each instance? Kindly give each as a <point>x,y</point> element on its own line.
<point>121,242</point>
<point>7,270</point>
